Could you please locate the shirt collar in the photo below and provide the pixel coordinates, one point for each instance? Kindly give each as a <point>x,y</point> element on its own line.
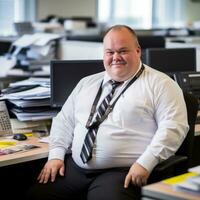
<point>140,65</point>
<point>108,78</point>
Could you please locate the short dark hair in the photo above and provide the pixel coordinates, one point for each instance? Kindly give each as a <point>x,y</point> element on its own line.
<point>120,26</point>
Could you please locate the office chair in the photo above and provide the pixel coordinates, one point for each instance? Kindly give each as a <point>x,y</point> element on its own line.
<point>182,160</point>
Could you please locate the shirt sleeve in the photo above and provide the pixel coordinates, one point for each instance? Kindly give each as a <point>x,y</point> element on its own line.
<point>172,124</point>
<point>61,134</point>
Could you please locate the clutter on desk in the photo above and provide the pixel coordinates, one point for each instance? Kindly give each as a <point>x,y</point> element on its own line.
<point>190,185</point>
<point>42,71</point>
<point>31,128</point>
<point>44,139</point>
<point>29,100</point>
<point>188,182</point>
<point>16,148</point>
<point>35,50</point>
<point>4,144</point>
<point>6,65</point>
<point>30,53</point>
<point>33,116</point>
<point>195,169</point>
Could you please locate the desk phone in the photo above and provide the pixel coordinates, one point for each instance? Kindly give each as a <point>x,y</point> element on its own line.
<point>5,124</point>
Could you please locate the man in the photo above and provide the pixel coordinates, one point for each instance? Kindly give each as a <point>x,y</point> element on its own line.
<point>117,131</point>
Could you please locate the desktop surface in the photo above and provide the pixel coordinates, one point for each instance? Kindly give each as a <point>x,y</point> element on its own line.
<point>24,156</point>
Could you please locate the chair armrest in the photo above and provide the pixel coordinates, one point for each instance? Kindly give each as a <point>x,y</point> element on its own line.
<point>170,162</point>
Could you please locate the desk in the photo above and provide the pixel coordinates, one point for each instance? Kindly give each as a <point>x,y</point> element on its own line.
<point>162,191</point>
<point>25,156</point>
<point>18,171</point>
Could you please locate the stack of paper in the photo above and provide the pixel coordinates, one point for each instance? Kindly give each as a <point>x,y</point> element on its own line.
<point>31,51</point>
<point>195,169</point>
<point>191,185</point>
<point>37,128</point>
<point>30,99</point>
<point>188,182</point>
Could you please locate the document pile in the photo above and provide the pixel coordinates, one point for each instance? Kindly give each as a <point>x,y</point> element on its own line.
<point>31,128</point>
<point>30,99</point>
<point>32,51</point>
<point>16,148</point>
<point>192,183</point>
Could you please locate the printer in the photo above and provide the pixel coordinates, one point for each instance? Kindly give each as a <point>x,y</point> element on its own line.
<point>190,82</point>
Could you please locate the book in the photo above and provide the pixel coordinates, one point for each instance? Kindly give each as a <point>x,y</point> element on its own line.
<point>195,169</point>
<point>190,184</point>
<point>179,179</point>
<point>189,187</point>
<point>195,180</point>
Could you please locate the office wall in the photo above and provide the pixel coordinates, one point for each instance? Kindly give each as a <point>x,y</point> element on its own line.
<point>192,11</point>
<point>66,8</point>
<point>81,50</point>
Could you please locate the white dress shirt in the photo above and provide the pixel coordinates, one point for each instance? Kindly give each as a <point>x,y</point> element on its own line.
<point>147,125</point>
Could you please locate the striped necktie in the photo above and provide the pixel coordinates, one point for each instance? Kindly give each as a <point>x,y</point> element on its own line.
<point>86,152</point>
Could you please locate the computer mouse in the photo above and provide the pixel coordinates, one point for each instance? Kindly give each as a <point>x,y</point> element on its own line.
<point>19,136</point>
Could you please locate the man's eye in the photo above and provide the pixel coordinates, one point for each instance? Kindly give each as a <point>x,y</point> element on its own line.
<point>109,53</point>
<point>123,52</point>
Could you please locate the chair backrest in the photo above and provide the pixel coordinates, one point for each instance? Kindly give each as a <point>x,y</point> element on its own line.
<point>186,149</point>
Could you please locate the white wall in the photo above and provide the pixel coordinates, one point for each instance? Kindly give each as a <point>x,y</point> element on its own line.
<point>193,11</point>
<point>66,8</point>
<point>80,50</point>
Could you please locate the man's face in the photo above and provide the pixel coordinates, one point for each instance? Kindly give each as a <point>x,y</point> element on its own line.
<point>121,54</point>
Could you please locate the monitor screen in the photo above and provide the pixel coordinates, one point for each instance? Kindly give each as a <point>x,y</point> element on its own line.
<point>171,60</point>
<point>65,74</point>
<point>151,41</point>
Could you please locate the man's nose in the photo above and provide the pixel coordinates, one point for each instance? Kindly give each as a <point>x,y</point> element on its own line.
<point>116,56</point>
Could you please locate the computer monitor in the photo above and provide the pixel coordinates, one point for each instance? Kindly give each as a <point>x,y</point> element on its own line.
<point>151,41</point>
<point>171,60</point>
<point>65,74</point>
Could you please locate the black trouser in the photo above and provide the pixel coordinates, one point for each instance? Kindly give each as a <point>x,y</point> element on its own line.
<point>83,184</point>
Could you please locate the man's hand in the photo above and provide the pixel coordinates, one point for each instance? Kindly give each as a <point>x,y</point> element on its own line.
<point>50,170</point>
<point>137,175</point>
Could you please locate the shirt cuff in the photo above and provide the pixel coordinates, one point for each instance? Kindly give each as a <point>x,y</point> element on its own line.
<point>148,161</point>
<point>57,153</point>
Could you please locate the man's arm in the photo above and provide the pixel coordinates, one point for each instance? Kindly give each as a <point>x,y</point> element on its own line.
<point>171,118</point>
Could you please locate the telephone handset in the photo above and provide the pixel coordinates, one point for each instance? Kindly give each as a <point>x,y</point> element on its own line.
<point>5,124</point>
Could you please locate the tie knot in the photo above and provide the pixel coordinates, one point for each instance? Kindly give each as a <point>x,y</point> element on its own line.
<point>115,83</point>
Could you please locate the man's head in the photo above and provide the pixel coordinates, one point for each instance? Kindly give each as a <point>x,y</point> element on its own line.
<point>121,52</point>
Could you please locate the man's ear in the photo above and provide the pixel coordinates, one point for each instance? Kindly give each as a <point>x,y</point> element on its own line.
<point>139,50</point>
